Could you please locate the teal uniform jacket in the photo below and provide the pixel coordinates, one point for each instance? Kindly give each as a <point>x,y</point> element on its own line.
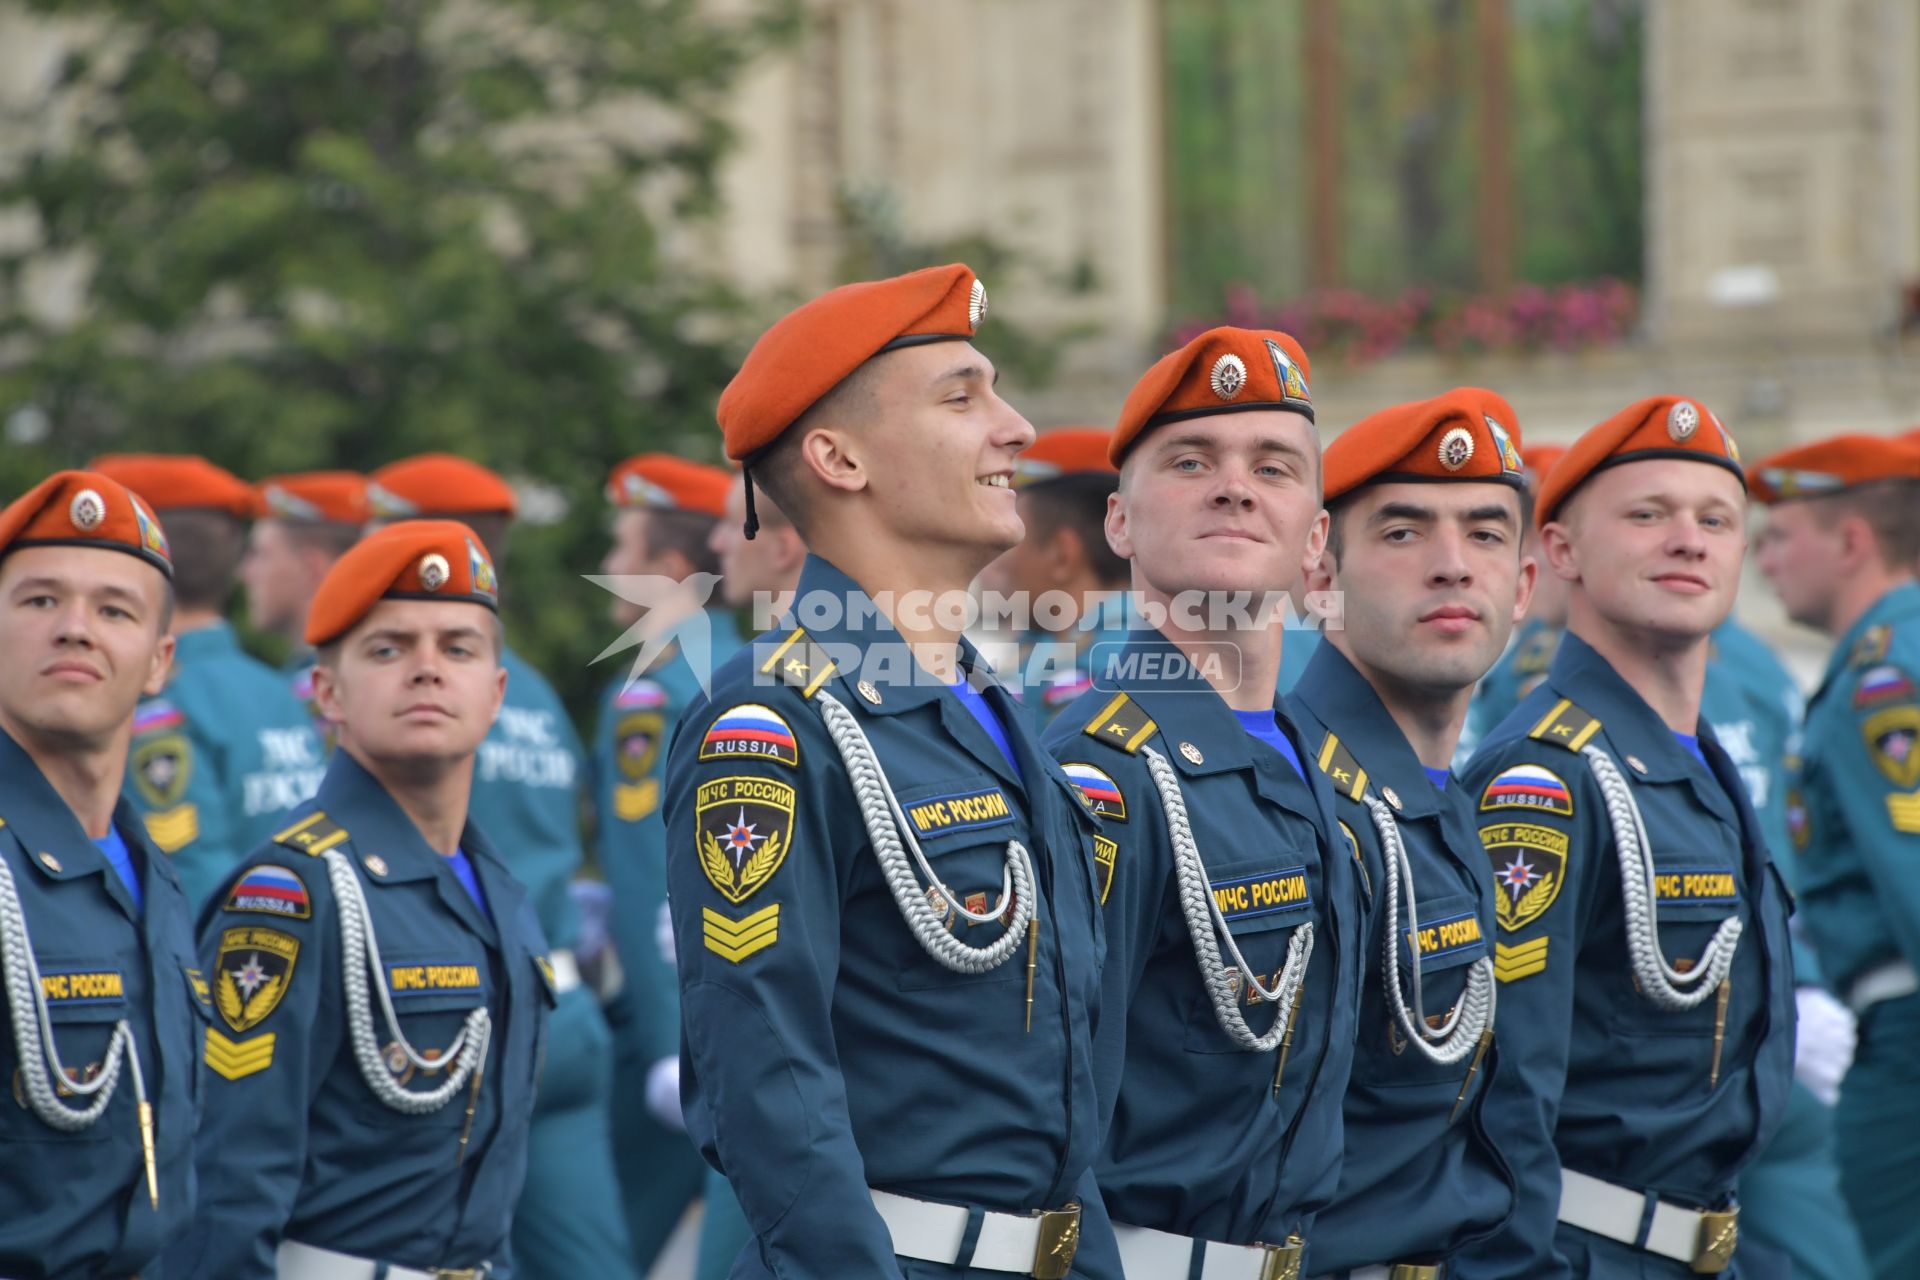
<point>76,1204</point>
<point>826,1051</point>
<point>1607,1082</point>
<point>1297,651</point>
<point>1057,667</point>
<point>296,1144</point>
<point>219,757</point>
<point>1200,1143</point>
<point>1421,1178</point>
<point>1522,667</point>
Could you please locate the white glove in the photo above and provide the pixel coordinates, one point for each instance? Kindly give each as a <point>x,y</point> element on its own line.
<point>1824,1049</point>
<point>663,936</point>
<point>663,1094</point>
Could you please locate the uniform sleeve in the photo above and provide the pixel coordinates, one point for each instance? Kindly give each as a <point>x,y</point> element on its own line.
<point>276,1030</point>
<point>1541,828</point>
<point>631,771</point>
<point>175,768</point>
<point>1875,776</point>
<point>756,893</point>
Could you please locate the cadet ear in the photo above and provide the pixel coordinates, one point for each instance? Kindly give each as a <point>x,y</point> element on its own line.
<point>1557,547</point>
<point>160,667</point>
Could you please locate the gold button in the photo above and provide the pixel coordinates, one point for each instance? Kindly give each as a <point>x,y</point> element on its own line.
<point>1391,796</point>
<point>376,864</point>
<point>1637,764</point>
<point>1192,753</point>
<point>52,863</point>
<point>868,692</point>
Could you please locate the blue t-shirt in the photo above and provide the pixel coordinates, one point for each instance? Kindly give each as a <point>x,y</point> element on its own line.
<point>976,704</point>
<point>114,845</point>
<point>1692,744</point>
<point>1438,776</point>
<point>1262,725</point>
<point>463,867</point>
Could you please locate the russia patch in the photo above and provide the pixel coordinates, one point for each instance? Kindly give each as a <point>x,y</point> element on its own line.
<point>156,715</point>
<point>275,891</point>
<point>1882,684</point>
<point>751,730</point>
<point>1098,789</point>
<point>1528,786</point>
<point>641,693</point>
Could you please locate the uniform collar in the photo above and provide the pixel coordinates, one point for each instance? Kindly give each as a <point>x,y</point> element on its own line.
<point>1897,605</point>
<point>214,640</point>
<point>1581,675</point>
<point>384,836</point>
<point>1343,700</point>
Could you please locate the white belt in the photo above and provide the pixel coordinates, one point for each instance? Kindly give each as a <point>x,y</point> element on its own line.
<point>566,970</point>
<point>1039,1245</point>
<point>1704,1240</point>
<point>1883,982</point>
<point>1146,1254</point>
<point>296,1261</point>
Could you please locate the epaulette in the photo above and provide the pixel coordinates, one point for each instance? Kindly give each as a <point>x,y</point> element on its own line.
<point>1871,646</point>
<point>1122,723</point>
<point>1565,726</point>
<point>800,662</point>
<point>313,835</point>
<point>1349,779</point>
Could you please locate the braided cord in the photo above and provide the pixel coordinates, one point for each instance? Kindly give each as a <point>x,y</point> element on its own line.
<point>359,955</point>
<point>1469,1019</point>
<point>1208,929</point>
<point>33,1038</point>
<point>1660,982</point>
<point>887,829</point>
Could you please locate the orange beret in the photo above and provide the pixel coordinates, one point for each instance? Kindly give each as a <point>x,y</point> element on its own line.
<point>329,497</point>
<point>1828,466</point>
<point>1224,370</point>
<point>1539,459</point>
<point>661,482</point>
<point>812,348</point>
<point>178,481</point>
<point>437,484</point>
<point>408,560</point>
<point>1657,427</point>
<point>85,509</point>
<point>1464,434</point>
<point>1064,452</point>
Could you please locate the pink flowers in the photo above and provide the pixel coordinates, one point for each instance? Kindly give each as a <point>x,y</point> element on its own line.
<point>1349,325</point>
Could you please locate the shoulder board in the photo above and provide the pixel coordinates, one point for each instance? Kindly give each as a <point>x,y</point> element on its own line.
<point>1349,779</point>
<point>314,834</point>
<point>1871,646</point>
<point>800,662</point>
<point>1565,726</point>
<point>1121,723</point>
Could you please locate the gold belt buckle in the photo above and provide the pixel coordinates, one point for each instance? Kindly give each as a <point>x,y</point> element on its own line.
<point>1416,1271</point>
<point>1059,1237</point>
<point>1283,1260</point>
<point>1713,1247</point>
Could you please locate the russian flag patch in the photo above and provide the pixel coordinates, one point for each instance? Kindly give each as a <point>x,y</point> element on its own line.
<point>1099,790</point>
<point>1882,684</point>
<point>1528,786</point>
<point>641,693</point>
<point>272,890</point>
<point>156,715</point>
<point>751,731</point>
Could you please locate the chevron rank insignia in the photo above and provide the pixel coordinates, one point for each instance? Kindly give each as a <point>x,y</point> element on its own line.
<point>252,973</point>
<point>1565,726</point>
<point>314,834</point>
<point>734,940</point>
<point>1121,723</point>
<point>1348,778</point>
<point>172,830</point>
<point>800,662</point>
<point>237,1059</point>
<point>1903,811</point>
<point>1523,960</point>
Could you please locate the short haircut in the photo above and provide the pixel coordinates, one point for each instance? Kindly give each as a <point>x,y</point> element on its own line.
<point>206,547</point>
<point>778,467</point>
<point>332,537</point>
<point>491,528</point>
<point>1891,508</point>
<point>1078,502</point>
<point>686,532</point>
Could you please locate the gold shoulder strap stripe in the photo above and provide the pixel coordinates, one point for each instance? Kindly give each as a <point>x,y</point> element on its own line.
<point>800,662</point>
<point>1121,723</point>
<point>1565,726</point>
<point>1349,779</point>
<point>314,834</point>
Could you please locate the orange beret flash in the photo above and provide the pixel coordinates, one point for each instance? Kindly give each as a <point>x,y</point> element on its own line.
<point>1657,427</point>
<point>408,560</point>
<point>1828,466</point>
<point>179,482</point>
<point>1224,370</point>
<point>84,509</point>
<point>316,497</point>
<point>1064,451</point>
<point>1464,434</point>
<point>437,484</point>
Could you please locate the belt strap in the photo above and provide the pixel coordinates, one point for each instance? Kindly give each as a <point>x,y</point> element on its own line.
<point>566,970</point>
<point>296,1261</point>
<point>1703,1239</point>
<point>1039,1245</point>
<point>1882,982</point>
<point>1146,1254</point>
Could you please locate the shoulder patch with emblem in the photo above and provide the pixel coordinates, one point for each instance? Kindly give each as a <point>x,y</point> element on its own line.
<point>743,827</point>
<point>314,834</point>
<point>799,661</point>
<point>1521,960</point>
<point>252,973</point>
<point>636,742</point>
<point>1535,656</point>
<point>1097,787</point>
<point>1565,726</point>
<point>161,766</point>
<point>1880,685</point>
<point>640,694</point>
<point>271,890</point>
<point>1528,786</point>
<point>1529,867</point>
<point>1121,723</point>
<point>1348,778</point>
<point>751,731</point>
<point>156,715</point>
<point>1799,825</point>
<point>1892,737</point>
<point>1871,646</point>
